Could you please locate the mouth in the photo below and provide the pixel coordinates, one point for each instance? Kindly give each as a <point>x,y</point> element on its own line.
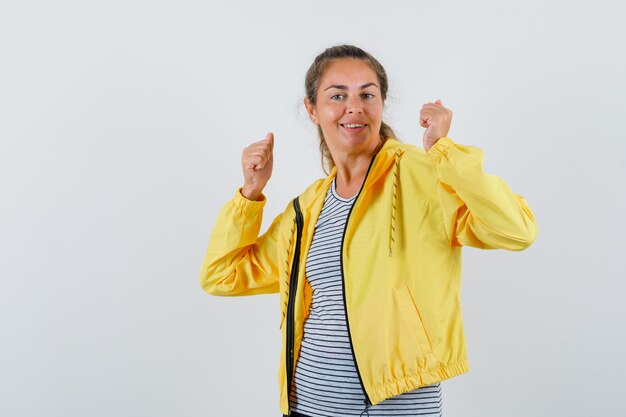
<point>353,127</point>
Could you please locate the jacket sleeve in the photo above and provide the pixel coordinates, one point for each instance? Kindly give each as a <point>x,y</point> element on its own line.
<point>479,209</point>
<point>238,261</point>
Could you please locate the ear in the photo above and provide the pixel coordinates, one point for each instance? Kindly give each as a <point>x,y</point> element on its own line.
<point>310,108</point>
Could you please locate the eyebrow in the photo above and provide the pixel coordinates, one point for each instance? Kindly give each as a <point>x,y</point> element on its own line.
<point>343,87</point>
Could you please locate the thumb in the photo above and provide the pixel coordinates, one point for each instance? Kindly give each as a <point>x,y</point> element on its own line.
<point>270,137</point>
<point>439,102</point>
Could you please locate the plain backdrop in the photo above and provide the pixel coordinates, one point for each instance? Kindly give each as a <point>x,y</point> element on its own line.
<point>121,130</point>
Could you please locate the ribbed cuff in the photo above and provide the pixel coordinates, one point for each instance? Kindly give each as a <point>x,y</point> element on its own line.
<point>439,148</point>
<point>248,205</point>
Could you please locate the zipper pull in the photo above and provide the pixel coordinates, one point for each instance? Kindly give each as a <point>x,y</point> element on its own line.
<point>367,405</point>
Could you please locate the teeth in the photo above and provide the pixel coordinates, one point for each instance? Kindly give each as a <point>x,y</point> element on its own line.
<point>353,125</point>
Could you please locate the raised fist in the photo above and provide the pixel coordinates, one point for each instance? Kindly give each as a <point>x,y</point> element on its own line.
<point>436,119</point>
<point>257,161</point>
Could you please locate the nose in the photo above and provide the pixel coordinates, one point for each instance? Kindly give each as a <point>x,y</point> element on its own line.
<point>353,105</point>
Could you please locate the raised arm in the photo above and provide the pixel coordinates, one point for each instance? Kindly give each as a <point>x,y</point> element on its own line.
<point>479,209</point>
<point>238,261</point>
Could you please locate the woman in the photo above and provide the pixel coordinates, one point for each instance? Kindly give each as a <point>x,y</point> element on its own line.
<point>367,261</point>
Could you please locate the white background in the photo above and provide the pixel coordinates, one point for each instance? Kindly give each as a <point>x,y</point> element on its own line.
<point>121,130</point>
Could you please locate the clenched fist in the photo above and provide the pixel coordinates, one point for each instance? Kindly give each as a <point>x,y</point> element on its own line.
<point>257,161</point>
<point>436,119</point>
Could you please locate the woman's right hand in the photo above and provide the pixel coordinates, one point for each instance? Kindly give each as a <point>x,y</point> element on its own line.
<point>257,161</point>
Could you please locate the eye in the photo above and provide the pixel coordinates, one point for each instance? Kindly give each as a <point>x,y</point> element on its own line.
<point>336,97</point>
<point>368,96</point>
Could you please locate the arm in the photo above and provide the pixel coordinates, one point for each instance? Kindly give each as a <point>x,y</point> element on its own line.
<point>238,261</point>
<point>479,209</point>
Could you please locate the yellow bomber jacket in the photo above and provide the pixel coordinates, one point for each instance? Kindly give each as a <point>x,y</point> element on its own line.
<point>401,261</point>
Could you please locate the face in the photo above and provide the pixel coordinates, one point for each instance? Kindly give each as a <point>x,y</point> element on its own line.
<point>349,107</point>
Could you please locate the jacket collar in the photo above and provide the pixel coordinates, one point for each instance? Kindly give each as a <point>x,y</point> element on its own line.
<point>383,159</point>
<point>387,156</point>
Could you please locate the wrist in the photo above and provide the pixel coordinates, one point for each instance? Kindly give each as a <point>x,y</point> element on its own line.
<point>251,194</point>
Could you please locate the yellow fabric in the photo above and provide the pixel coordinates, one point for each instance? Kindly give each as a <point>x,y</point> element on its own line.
<point>401,259</point>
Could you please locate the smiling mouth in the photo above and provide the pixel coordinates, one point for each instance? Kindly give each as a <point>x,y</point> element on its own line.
<point>353,125</point>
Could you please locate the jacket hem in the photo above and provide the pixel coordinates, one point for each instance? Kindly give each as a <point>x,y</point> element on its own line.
<point>411,382</point>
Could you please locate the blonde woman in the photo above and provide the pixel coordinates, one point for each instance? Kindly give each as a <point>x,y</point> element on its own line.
<point>367,261</point>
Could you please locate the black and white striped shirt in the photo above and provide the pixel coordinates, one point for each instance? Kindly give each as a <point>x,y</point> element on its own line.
<point>326,383</point>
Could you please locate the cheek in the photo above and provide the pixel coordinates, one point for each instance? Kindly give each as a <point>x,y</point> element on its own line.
<point>330,115</point>
<point>376,114</point>
<point>375,108</point>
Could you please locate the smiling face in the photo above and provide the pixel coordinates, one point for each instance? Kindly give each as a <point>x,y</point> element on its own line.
<point>349,107</point>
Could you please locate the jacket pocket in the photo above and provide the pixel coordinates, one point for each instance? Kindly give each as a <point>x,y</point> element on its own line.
<point>411,313</point>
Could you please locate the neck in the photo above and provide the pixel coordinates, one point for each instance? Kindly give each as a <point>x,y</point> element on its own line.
<point>351,169</point>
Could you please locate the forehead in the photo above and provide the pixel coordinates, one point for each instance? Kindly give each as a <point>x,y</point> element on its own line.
<point>348,71</point>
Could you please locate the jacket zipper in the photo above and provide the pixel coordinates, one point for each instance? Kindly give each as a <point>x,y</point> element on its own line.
<point>293,281</point>
<point>368,403</point>
<point>293,285</point>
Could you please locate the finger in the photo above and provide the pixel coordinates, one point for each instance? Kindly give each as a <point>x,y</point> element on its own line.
<point>428,112</point>
<point>258,159</point>
<point>256,163</point>
<point>250,164</point>
<point>439,102</point>
<point>436,109</point>
<point>263,147</point>
<point>424,119</point>
<point>270,138</point>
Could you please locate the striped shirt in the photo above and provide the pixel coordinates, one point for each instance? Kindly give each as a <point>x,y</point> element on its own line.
<point>326,383</point>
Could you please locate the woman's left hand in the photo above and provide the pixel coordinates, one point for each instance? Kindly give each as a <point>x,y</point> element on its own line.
<point>436,119</point>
